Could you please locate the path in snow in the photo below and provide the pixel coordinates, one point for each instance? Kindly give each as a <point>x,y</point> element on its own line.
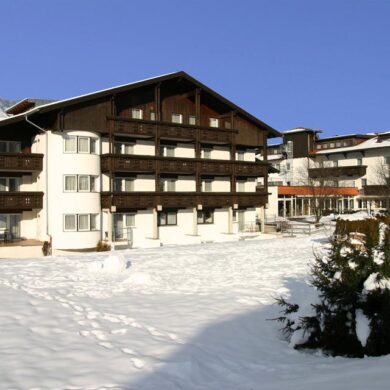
<point>190,317</point>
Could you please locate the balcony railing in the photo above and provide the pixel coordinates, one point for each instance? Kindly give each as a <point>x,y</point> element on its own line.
<point>167,130</point>
<point>376,190</point>
<point>20,201</point>
<point>352,170</point>
<point>145,200</point>
<point>21,162</point>
<point>138,163</point>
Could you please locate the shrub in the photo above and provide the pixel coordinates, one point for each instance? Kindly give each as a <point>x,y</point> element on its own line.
<point>103,246</point>
<point>352,315</point>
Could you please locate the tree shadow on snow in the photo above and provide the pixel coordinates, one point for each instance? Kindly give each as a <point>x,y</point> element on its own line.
<point>242,352</point>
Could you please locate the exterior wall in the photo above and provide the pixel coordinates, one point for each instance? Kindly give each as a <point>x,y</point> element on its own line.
<point>144,148</point>
<point>144,183</point>
<point>186,184</point>
<point>220,184</point>
<point>60,202</point>
<point>249,185</point>
<point>220,153</point>
<point>184,150</point>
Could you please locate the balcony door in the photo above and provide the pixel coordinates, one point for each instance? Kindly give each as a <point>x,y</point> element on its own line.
<point>10,225</point>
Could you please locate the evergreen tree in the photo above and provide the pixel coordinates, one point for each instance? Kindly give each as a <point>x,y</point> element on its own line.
<point>352,317</point>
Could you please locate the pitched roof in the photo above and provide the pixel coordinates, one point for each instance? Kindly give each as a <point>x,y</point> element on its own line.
<point>125,87</point>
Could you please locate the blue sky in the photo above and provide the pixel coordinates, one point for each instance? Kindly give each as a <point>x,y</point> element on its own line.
<point>319,64</point>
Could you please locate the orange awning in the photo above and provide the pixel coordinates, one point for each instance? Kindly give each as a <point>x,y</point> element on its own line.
<point>317,191</point>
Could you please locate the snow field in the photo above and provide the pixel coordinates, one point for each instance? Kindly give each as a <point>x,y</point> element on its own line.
<point>189,317</point>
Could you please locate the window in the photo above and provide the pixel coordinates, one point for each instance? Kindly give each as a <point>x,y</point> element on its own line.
<point>359,161</point>
<point>11,184</point>
<point>70,143</point>
<point>335,163</point>
<point>93,183</point>
<point>152,116</point>
<point>168,184</point>
<point>83,144</point>
<point>70,223</point>
<point>240,155</point>
<point>93,145</point>
<point>123,184</point>
<point>10,147</point>
<point>177,118</point>
<point>205,217</point>
<point>75,144</point>
<point>137,113</point>
<point>318,146</point>
<point>192,120</point>
<point>338,144</point>
<point>84,182</point>
<point>206,153</point>
<point>387,160</point>
<point>124,148</point>
<point>81,222</point>
<point>166,218</point>
<point>84,220</point>
<point>81,183</point>
<point>167,151</point>
<point>70,184</point>
<point>228,125</point>
<point>129,220</point>
<point>207,185</point>
<point>94,222</point>
<point>213,122</point>
<point>331,145</point>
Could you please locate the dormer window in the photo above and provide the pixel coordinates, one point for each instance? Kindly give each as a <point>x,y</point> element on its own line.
<point>137,113</point>
<point>152,116</point>
<point>192,120</point>
<point>213,122</point>
<point>177,118</point>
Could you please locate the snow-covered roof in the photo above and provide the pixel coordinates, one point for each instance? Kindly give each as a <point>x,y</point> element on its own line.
<point>371,143</point>
<point>35,109</point>
<point>301,130</point>
<point>272,157</point>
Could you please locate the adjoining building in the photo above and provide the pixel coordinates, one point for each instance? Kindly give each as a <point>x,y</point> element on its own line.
<point>333,174</point>
<point>161,161</point>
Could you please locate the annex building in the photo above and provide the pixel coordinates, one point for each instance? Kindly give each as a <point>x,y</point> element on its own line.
<point>160,161</point>
<point>333,174</point>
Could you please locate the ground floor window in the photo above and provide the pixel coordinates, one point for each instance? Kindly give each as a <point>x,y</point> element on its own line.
<point>205,217</point>
<point>167,218</point>
<point>10,226</point>
<point>80,222</point>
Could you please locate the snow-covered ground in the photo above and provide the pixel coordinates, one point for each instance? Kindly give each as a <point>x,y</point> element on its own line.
<point>189,317</point>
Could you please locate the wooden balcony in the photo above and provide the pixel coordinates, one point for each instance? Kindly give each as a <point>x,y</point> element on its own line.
<point>376,190</point>
<point>21,162</point>
<point>189,166</point>
<point>147,200</point>
<point>20,201</point>
<point>352,170</point>
<point>172,131</point>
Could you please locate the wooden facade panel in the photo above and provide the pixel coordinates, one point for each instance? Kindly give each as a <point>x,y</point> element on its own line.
<point>90,116</point>
<point>21,162</point>
<point>248,133</point>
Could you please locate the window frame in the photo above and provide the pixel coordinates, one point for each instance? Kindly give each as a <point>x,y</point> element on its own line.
<point>137,110</point>
<point>88,177</point>
<point>180,116</point>
<point>75,222</point>
<point>88,219</point>
<point>88,139</point>
<point>201,218</point>
<point>75,183</point>
<point>166,214</point>
<point>215,121</point>
<point>68,138</point>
